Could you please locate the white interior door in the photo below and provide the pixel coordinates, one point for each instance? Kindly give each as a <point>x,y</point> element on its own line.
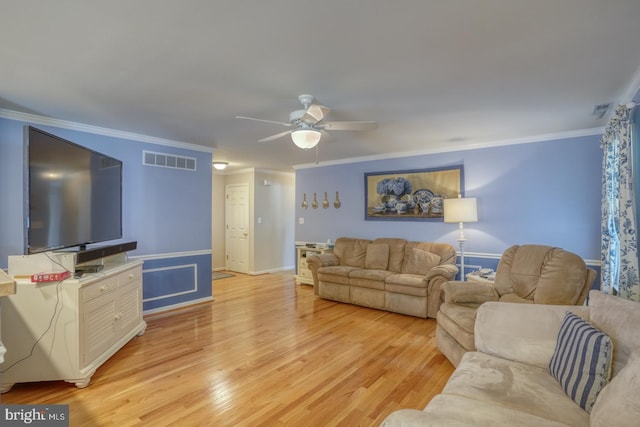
<point>237,228</point>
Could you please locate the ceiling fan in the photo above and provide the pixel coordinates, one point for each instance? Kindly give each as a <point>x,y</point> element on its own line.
<point>308,125</point>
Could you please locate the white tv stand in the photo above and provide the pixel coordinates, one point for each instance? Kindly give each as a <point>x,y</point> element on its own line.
<point>66,330</point>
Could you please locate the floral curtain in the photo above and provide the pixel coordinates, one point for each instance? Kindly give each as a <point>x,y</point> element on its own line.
<point>619,275</point>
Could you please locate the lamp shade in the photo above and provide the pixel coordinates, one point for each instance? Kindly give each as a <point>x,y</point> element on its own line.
<point>220,165</point>
<point>306,138</point>
<point>460,210</point>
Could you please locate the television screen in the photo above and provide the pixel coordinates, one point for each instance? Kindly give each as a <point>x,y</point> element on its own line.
<point>74,194</point>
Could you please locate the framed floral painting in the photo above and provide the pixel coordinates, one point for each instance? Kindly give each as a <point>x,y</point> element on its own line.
<point>411,195</point>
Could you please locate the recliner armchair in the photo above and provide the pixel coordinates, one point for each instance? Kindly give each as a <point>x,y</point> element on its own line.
<point>533,274</point>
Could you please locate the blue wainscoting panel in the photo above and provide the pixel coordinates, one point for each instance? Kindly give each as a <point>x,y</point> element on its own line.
<point>175,281</point>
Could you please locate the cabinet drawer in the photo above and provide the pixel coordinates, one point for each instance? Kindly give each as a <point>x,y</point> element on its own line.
<point>97,289</point>
<point>305,273</point>
<point>129,276</point>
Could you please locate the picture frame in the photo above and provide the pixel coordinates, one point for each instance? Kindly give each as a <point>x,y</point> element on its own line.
<point>411,195</point>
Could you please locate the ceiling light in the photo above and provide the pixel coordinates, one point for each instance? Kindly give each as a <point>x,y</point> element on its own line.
<point>220,165</point>
<point>306,138</point>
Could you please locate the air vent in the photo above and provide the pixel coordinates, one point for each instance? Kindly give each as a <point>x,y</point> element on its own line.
<point>601,110</point>
<point>165,160</point>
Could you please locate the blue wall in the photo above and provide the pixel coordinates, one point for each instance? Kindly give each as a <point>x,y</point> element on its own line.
<point>167,211</point>
<point>544,192</point>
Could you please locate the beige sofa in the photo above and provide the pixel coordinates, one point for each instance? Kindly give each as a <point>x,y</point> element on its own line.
<point>530,274</point>
<point>506,382</point>
<point>388,274</point>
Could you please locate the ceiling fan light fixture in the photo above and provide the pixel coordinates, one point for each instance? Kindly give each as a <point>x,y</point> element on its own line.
<point>306,138</point>
<point>220,165</point>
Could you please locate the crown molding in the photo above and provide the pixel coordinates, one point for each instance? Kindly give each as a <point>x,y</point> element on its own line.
<point>254,171</point>
<point>471,146</point>
<point>275,172</point>
<point>65,124</point>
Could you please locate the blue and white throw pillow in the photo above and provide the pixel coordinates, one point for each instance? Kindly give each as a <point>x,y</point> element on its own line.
<point>581,361</point>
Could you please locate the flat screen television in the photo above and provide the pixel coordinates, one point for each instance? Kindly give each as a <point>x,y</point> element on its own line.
<point>73,194</point>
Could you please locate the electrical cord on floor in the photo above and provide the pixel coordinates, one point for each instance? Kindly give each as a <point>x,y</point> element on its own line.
<point>51,320</point>
<point>33,348</point>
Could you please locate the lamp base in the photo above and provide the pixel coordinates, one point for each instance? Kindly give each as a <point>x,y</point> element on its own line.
<point>461,241</point>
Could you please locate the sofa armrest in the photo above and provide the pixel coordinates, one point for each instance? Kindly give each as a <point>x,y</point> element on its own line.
<point>447,271</point>
<point>469,292</point>
<point>435,278</point>
<point>521,332</point>
<point>314,262</point>
<point>322,260</point>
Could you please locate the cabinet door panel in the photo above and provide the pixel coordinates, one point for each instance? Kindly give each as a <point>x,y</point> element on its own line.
<point>130,306</point>
<point>100,327</point>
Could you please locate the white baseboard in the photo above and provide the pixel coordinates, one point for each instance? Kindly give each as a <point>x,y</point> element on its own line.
<point>179,305</point>
<point>273,270</point>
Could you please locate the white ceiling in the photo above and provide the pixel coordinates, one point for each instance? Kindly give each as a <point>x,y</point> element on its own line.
<point>435,75</point>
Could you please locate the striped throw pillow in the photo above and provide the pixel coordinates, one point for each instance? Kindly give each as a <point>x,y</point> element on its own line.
<point>581,361</point>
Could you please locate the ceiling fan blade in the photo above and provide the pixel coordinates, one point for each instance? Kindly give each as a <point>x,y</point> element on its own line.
<point>276,136</point>
<point>315,113</point>
<point>266,121</point>
<point>326,136</point>
<point>362,125</point>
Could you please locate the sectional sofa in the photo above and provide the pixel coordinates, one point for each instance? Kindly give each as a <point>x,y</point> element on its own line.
<point>514,378</point>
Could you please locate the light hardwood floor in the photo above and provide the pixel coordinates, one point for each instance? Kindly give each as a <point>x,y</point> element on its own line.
<point>265,352</point>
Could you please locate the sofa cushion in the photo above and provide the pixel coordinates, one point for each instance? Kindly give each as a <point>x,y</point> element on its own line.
<point>581,361</point>
<point>396,252</point>
<point>337,274</point>
<point>364,278</point>
<point>451,410</point>
<point>412,280</point>
<point>377,256</point>
<point>524,332</point>
<point>445,251</point>
<point>418,261</point>
<point>542,274</point>
<point>612,315</point>
<point>465,411</point>
<point>562,279</point>
<point>519,269</point>
<point>350,251</point>
<point>521,387</point>
<point>618,404</point>
<point>469,292</point>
